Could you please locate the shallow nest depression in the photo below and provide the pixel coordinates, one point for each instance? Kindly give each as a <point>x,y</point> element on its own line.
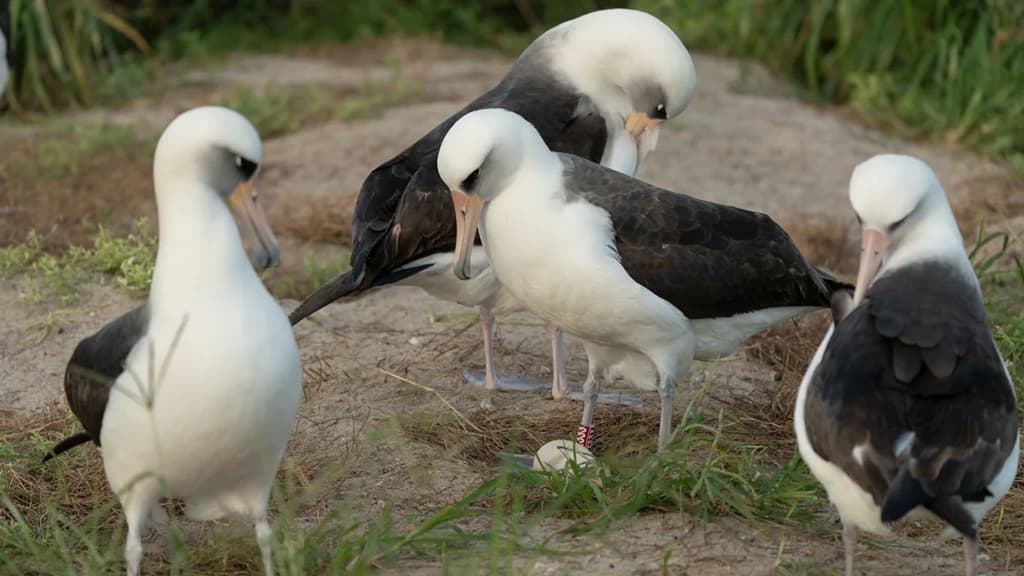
<point>481,434</point>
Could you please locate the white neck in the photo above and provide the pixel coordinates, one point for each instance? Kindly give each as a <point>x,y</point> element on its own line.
<point>200,249</point>
<point>535,174</point>
<point>933,237</point>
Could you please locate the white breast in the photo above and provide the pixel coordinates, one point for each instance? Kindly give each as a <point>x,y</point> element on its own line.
<point>223,410</point>
<point>556,258</point>
<point>620,152</point>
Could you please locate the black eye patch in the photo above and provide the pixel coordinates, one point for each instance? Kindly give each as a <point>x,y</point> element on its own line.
<point>470,181</point>
<point>659,112</point>
<point>246,167</point>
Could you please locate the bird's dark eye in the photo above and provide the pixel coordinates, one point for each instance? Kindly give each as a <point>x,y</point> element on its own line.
<point>659,112</point>
<point>246,167</point>
<point>470,181</point>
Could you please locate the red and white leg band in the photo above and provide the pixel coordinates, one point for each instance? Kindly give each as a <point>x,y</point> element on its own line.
<point>584,435</point>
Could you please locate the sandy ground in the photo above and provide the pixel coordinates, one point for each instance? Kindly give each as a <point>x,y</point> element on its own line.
<point>746,140</point>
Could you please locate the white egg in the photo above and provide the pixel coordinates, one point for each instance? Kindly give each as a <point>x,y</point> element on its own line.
<point>556,455</point>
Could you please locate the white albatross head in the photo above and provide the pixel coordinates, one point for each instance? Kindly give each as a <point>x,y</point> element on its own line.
<point>214,150</point>
<point>629,64</point>
<point>904,215</point>
<point>480,153</point>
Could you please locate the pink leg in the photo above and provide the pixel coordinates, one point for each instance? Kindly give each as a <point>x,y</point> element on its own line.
<point>559,380</point>
<point>487,323</point>
<point>490,380</point>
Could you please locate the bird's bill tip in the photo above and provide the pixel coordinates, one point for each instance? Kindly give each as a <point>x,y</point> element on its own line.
<point>467,218</point>
<point>638,123</point>
<point>874,243</point>
<point>252,222</point>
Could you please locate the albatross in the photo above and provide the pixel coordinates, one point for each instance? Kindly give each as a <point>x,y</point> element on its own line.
<point>5,31</point>
<point>598,86</point>
<point>649,279</point>
<point>907,404</point>
<point>195,391</point>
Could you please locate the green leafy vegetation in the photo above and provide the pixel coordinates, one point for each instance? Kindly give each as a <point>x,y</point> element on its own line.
<point>946,68</point>
<point>65,52</point>
<point>67,146</point>
<point>70,53</point>
<point>314,273</point>
<point>204,28</point>
<point>44,276</point>
<point>705,473</point>
<point>276,109</point>
<point>1002,282</point>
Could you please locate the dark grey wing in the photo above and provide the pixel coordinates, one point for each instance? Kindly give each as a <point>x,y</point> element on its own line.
<point>917,361</point>
<point>709,260</point>
<point>404,211</point>
<point>94,366</point>
<point>585,136</point>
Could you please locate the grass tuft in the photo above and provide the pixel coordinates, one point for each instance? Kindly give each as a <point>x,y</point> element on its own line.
<point>129,261</point>
<point>65,149</point>
<point>314,273</point>
<point>710,468</point>
<point>279,109</point>
<point>64,51</point>
<point>946,69</point>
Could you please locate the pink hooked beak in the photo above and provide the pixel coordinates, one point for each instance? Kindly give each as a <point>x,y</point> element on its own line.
<point>872,249</point>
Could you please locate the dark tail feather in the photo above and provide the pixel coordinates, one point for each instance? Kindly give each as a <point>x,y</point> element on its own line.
<point>67,444</point>
<point>905,494</point>
<point>344,285</point>
<point>953,512</point>
<point>842,305</point>
<point>838,295</point>
<point>398,275</point>
<point>348,284</point>
<point>831,282</point>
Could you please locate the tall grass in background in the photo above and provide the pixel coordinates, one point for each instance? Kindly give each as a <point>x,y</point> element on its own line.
<point>952,69</point>
<point>214,26</point>
<point>949,68</point>
<point>75,52</point>
<point>63,51</point>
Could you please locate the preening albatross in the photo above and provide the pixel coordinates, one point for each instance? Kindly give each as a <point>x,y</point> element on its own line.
<point>907,404</point>
<point>598,86</point>
<point>198,388</point>
<point>648,279</point>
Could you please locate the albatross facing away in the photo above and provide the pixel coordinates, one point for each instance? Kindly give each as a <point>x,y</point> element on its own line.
<point>598,86</point>
<point>199,387</point>
<point>648,279</point>
<point>907,403</point>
